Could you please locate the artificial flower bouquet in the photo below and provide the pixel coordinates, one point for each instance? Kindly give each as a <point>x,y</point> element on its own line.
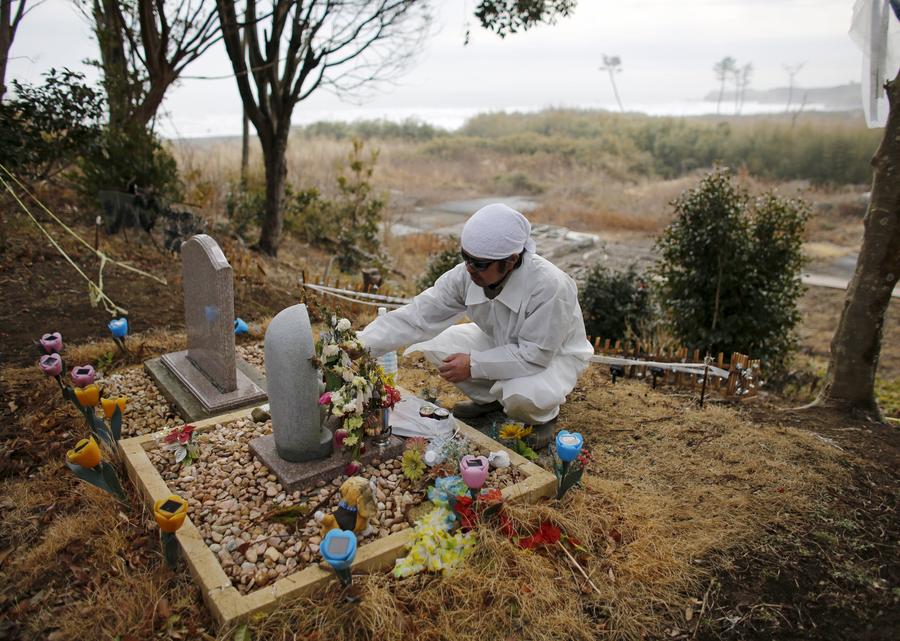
<point>356,389</point>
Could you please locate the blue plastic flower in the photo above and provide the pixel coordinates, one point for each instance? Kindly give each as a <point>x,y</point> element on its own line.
<point>338,548</point>
<point>568,445</point>
<point>446,488</point>
<point>240,326</point>
<point>118,327</point>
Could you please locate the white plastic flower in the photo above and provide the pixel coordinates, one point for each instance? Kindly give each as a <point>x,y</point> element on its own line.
<point>330,350</point>
<point>343,325</point>
<point>347,375</point>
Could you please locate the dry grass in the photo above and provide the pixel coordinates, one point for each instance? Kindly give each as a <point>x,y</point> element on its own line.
<point>675,491</point>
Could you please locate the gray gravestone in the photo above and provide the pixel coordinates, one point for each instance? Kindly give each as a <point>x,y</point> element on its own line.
<point>299,450</point>
<point>208,368</point>
<point>294,388</point>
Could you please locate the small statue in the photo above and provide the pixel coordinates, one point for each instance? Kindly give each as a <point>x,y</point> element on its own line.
<point>356,507</point>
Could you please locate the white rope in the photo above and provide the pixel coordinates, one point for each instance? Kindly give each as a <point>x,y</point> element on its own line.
<point>352,296</point>
<point>103,257</point>
<point>687,368</point>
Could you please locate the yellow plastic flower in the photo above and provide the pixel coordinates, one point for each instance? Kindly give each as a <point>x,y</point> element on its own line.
<point>86,453</point>
<point>109,405</point>
<point>170,513</point>
<point>512,431</point>
<point>88,396</point>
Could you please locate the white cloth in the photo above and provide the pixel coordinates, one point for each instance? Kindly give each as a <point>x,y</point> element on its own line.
<point>876,31</point>
<point>496,231</point>
<point>530,338</point>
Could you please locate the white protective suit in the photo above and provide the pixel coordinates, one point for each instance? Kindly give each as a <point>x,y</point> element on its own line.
<point>527,346</point>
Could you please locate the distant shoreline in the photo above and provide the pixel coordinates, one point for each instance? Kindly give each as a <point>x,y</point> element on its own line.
<point>451,119</point>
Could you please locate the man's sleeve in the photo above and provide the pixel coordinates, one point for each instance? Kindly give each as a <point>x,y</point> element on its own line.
<point>429,313</point>
<point>541,337</point>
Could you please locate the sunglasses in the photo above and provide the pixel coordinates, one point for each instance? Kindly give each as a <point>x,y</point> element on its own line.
<point>477,264</point>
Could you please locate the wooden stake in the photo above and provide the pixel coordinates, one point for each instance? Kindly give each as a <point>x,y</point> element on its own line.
<point>579,568</point>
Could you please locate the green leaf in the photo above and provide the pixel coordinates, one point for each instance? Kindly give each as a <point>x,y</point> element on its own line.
<point>94,476</point>
<point>116,423</point>
<point>112,480</point>
<point>570,480</point>
<point>242,633</point>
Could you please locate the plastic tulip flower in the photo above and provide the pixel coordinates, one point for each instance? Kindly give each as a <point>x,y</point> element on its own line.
<point>170,513</point>
<point>568,445</point>
<point>86,453</point>
<point>110,404</point>
<point>83,375</point>
<point>474,471</point>
<point>51,343</point>
<point>338,548</point>
<point>568,449</point>
<point>240,326</point>
<point>118,327</point>
<point>88,396</point>
<point>51,365</point>
<point>86,462</point>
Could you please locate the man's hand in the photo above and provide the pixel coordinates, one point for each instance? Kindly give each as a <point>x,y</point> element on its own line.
<point>456,368</point>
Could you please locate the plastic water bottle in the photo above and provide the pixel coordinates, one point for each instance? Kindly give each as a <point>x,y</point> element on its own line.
<point>388,361</point>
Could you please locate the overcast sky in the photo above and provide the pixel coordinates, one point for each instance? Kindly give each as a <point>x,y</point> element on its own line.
<point>667,49</point>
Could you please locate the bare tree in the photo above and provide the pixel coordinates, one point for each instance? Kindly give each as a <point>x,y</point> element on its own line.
<point>145,46</point>
<point>613,65</point>
<point>11,14</point>
<point>306,45</point>
<point>792,71</point>
<point>722,70</point>
<point>855,348</point>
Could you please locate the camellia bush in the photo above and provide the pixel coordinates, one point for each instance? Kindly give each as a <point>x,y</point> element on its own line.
<point>730,270</point>
<point>613,302</point>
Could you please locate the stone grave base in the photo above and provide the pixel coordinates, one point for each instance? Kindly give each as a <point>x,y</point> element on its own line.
<point>227,605</point>
<point>295,476</point>
<point>195,397</point>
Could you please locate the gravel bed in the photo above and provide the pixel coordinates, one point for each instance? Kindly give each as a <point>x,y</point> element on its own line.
<point>253,353</point>
<point>230,492</point>
<point>148,410</point>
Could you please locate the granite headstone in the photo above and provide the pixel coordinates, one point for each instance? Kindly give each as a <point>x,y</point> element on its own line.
<point>294,388</point>
<point>208,368</point>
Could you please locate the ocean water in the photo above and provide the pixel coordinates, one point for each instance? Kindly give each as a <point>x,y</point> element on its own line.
<point>451,118</point>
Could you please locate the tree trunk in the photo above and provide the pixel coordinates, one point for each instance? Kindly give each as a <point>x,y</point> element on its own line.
<point>850,380</point>
<point>276,178</point>
<point>245,149</point>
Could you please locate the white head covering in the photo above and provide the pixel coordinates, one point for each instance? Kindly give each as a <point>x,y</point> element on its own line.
<point>496,231</point>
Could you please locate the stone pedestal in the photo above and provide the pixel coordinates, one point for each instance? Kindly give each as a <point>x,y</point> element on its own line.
<point>296,476</point>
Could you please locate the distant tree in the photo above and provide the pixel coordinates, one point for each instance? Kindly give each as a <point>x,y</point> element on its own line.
<point>856,346</point>
<point>300,46</point>
<point>613,65</point>
<point>511,16</point>
<point>723,69</point>
<point>792,71</point>
<point>145,45</point>
<point>11,14</point>
<point>742,82</point>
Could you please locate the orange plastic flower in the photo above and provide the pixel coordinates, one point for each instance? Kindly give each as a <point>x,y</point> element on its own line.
<point>88,396</point>
<point>86,453</point>
<point>109,405</point>
<point>170,512</point>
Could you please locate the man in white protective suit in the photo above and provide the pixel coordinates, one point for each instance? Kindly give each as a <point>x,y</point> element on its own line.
<point>526,345</point>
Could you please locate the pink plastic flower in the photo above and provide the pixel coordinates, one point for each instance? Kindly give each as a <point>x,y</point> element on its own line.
<point>51,343</point>
<point>474,470</point>
<point>83,375</point>
<point>51,364</point>
<point>325,399</point>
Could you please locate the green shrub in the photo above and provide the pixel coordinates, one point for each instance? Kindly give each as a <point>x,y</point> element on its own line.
<point>439,265</point>
<point>124,159</point>
<point>612,302</point>
<point>730,270</point>
<point>45,129</point>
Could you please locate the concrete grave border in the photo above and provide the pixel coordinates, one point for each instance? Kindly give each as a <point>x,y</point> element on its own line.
<point>227,605</point>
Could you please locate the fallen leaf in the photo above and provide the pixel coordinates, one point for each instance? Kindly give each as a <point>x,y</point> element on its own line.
<point>163,609</point>
<point>688,613</point>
